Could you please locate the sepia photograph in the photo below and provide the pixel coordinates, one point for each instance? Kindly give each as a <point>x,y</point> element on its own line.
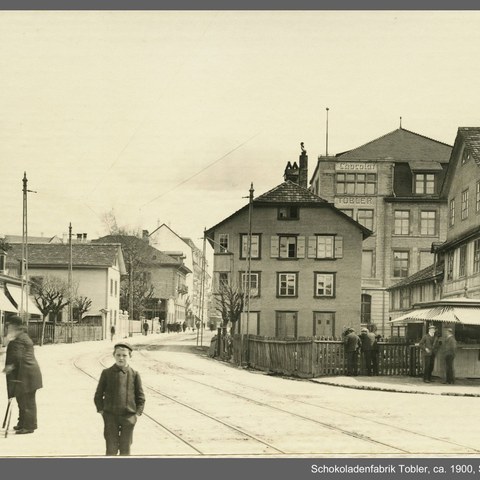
<point>240,234</point>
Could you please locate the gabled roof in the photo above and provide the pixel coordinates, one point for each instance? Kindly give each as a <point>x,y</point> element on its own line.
<point>290,193</point>
<point>18,239</point>
<point>400,145</point>
<point>55,254</point>
<point>148,255</point>
<point>427,274</point>
<point>470,137</point>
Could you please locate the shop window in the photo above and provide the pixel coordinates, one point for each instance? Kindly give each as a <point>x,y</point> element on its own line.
<point>324,285</point>
<point>425,183</point>
<point>462,261</point>
<point>428,222</point>
<point>255,252</point>
<point>401,222</point>
<point>400,264</point>
<point>223,242</point>
<point>287,284</point>
<point>254,283</point>
<point>451,213</point>
<point>365,218</point>
<point>356,183</point>
<point>366,312</point>
<point>464,207</point>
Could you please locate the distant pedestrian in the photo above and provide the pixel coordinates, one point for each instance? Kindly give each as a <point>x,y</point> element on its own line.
<point>184,326</point>
<point>352,348</point>
<point>145,328</point>
<point>119,398</point>
<point>23,375</point>
<point>450,346</point>
<point>369,351</point>
<point>112,332</point>
<point>429,345</point>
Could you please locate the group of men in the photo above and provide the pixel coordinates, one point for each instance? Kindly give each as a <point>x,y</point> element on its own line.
<point>430,344</point>
<point>367,345</point>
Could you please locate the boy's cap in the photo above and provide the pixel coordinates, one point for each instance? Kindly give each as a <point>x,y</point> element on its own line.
<point>123,345</point>
<point>14,320</point>
<point>432,327</point>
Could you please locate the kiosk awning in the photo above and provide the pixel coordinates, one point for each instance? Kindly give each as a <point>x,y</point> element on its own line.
<point>5,304</point>
<point>443,313</point>
<point>16,293</point>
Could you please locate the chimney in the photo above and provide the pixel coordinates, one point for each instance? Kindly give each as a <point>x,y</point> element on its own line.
<point>291,172</point>
<point>303,170</point>
<point>79,237</point>
<point>84,237</point>
<point>145,236</point>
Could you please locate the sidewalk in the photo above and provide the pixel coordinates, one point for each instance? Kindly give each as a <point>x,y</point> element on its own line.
<point>462,387</point>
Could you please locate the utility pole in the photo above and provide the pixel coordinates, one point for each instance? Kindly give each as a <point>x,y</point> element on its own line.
<point>326,136</point>
<point>202,287</point>
<point>24,280</point>
<point>70,280</point>
<point>130,298</point>
<point>249,253</point>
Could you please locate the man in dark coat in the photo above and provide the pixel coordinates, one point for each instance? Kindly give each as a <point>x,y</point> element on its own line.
<point>370,351</point>
<point>352,348</point>
<point>119,398</point>
<point>450,345</point>
<point>23,375</point>
<point>429,344</point>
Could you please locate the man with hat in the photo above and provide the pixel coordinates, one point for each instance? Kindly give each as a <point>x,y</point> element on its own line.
<point>429,345</point>
<point>450,346</point>
<point>370,351</point>
<point>352,348</point>
<point>23,375</point>
<point>119,398</point>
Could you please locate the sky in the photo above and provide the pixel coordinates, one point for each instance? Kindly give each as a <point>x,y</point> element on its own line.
<point>168,117</point>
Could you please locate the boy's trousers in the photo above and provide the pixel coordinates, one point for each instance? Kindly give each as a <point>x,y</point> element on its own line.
<point>118,432</point>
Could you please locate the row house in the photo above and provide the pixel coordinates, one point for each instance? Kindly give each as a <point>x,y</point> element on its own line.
<point>455,283</point>
<point>305,260</point>
<point>96,272</point>
<point>164,274</point>
<point>391,185</point>
<point>461,251</point>
<point>167,240</point>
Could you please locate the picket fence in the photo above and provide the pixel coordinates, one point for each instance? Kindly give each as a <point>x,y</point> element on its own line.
<point>62,333</point>
<point>317,357</point>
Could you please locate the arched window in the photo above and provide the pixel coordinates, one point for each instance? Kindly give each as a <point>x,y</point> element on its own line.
<point>366,308</point>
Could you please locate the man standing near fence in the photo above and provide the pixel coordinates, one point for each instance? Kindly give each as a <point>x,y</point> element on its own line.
<point>23,375</point>
<point>429,345</point>
<point>369,351</point>
<point>450,346</point>
<point>352,348</point>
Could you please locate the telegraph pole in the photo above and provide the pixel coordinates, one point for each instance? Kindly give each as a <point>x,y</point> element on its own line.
<point>202,288</point>
<point>130,298</point>
<point>70,280</point>
<point>249,254</point>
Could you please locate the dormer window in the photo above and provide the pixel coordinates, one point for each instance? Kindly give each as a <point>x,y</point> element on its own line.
<point>288,213</point>
<point>425,183</point>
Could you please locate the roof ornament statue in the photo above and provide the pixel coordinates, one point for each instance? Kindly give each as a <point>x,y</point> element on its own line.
<point>303,148</point>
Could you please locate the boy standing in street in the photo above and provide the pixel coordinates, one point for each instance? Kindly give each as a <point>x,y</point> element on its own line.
<point>119,398</point>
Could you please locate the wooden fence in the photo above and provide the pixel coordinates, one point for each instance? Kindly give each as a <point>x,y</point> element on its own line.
<point>317,357</point>
<point>62,333</point>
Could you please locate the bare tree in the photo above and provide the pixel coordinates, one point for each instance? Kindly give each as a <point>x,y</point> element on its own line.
<point>80,306</point>
<point>230,301</point>
<point>51,295</point>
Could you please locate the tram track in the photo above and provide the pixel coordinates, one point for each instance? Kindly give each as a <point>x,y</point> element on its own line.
<point>320,407</point>
<point>238,430</point>
<point>329,426</point>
